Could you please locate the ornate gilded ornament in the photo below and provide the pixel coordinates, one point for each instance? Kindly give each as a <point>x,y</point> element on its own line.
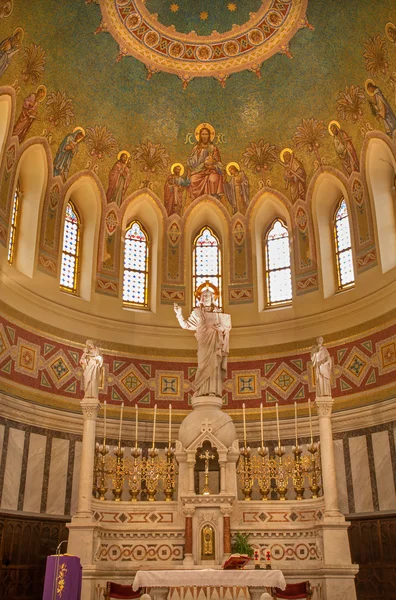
<point>188,55</point>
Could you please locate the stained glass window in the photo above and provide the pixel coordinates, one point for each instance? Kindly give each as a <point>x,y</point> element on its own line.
<point>277,264</point>
<point>135,288</point>
<point>343,246</point>
<point>206,261</point>
<point>14,223</point>
<point>70,249</point>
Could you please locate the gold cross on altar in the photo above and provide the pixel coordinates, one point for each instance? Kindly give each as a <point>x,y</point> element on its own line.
<point>207,456</point>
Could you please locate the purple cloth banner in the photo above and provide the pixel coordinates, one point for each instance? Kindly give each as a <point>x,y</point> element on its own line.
<point>63,577</point>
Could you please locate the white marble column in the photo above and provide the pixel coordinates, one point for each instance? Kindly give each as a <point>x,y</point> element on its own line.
<point>324,406</point>
<point>90,408</point>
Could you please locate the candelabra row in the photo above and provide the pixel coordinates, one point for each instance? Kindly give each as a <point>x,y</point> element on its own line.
<point>280,473</point>
<point>274,474</point>
<point>150,474</point>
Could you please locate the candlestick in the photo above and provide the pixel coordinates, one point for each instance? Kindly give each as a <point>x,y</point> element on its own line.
<point>155,417</point>
<point>277,423</point>
<point>119,433</point>
<point>295,422</point>
<point>170,424</point>
<point>310,418</point>
<point>262,425</point>
<point>136,425</point>
<point>104,426</point>
<point>244,425</point>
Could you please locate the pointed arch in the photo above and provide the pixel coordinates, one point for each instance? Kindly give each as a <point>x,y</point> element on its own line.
<point>327,193</point>
<point>206,213</point>
<point>268,208</point>
<point>136,266</point>
<point>86,200</point>
<point>278,281</point>
<point>343,246</point>
<point>31,179</point>
<point>206,261</point>
<point>145,208</point>
<point>71,250</point>
<point>380,166</point>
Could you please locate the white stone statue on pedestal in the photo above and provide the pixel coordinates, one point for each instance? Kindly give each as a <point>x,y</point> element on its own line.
<point>212,331</point>
<point>322,364</point>
<point>91,362</point>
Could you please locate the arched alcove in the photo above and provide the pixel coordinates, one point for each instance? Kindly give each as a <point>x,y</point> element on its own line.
<point>143,208</point>
<point>5,118</point>
<point>267,208</point>
<point>206,213</point>
<point>85,196</point>
<point>380,174</point>
<point>32,175</point>
<point>327,192</point>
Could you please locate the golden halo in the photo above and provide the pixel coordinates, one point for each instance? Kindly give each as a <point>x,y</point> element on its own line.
<point>206,284</point>
<point>232,164</point>
<point>79,129</point>
<point>366,84</point>
<point>388,27</point>
<point>336,123</point>
<point>123,152</point>
<point>19,30</point>
<point>204,126</point>
<point>281,155</point>
<point>177,165</point>
<point>10,3</point>
<point>42,87</point>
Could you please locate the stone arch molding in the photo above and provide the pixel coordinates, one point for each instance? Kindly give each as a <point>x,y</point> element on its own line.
<point>188,55</point>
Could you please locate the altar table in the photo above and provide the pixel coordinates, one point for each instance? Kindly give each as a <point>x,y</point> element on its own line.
<point>256,580</point>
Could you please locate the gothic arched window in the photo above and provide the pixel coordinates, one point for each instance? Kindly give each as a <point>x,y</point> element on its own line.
<point>206,261</point>
<point>278,264</point>
<point>14,223</point>
<point>136,269</point>
<point>70,249</point>
<point>343,246</point>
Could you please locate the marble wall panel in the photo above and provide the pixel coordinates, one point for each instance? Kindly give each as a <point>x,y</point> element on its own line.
<point>342,490</point>
<point>13,469</point>
<point>76,476</point>
<point>57,477</point>
<point>383,471</point>
<point>34,474</point>
<point>361,474</point>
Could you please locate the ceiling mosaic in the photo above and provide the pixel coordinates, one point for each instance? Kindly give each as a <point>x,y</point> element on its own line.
<point>309,105</point>
<point>189,53</point>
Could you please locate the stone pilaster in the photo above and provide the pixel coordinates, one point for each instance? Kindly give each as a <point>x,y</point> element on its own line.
<point>324,407</point>
<point>90,408</point>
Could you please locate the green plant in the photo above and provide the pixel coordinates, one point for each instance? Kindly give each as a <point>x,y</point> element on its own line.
<point>241,545</point>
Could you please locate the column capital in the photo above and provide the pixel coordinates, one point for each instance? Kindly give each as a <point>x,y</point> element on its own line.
<point>226,510</point>
<point>188,511</point>
<point>90,408</point>
<point>324,406</point>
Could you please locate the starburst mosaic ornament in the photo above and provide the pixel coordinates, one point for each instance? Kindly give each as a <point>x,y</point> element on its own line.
<point>256,32</point>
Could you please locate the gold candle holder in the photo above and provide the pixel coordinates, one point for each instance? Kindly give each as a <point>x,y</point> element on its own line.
<point>281,474</point>
<point>118,473</point>
<point>170,473</point>
<point>264,474</point>
<point>135,474</point>
<point>103,451</point>
<point>314,478</point>
<point>246,473</point>
<point>297,475</point>
<point>151,473</point>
